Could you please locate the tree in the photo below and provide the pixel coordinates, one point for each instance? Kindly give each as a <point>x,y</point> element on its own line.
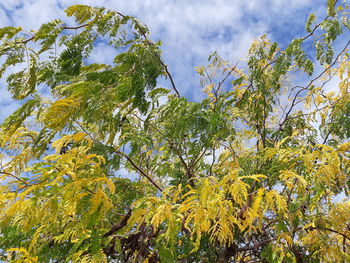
<point>99,164</point>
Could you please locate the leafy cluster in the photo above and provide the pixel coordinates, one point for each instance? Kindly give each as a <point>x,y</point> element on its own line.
<point>100,164</point>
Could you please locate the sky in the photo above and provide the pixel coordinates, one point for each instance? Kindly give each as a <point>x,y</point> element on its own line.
<point>189,30</point>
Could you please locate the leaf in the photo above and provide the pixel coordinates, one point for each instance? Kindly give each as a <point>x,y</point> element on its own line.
<point>276,202</point>
<point>330,7</point>
<point>344,147</point>
<point>239,191</point>
<point>9,32</point>
<point>99,163</point>
<point>82,13</point>
<point>309,21</point>
<point>61,112</point>
<point>48,33</point>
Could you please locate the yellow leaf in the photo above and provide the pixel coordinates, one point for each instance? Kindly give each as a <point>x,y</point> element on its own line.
<point>286,237</point>
<point>78,136</point>
<point>239,191</point>
<point>344,147</point>
<point>318,99</point>
<point>276,201</point>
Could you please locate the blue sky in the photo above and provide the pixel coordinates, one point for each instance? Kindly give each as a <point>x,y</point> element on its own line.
<point>189,30</point>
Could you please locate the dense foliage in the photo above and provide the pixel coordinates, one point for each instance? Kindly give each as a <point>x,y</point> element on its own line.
<point>100,164</point>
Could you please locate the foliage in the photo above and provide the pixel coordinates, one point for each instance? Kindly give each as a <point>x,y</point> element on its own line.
<point>100,164</point>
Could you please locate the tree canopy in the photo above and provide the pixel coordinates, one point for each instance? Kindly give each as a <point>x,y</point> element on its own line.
<point>101,164</point>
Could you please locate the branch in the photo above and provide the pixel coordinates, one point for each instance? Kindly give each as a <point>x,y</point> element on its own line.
<point>172,146</point>
<point>170,77</point>
<point>81,127</point>
<point>314,29</point>
<point>317,26</point>
<point>330,230</point>
<point>310,83</point>
<point>327,135</point>
<point>224,79</point>
<point>256,246</point>
<point>195,161</point>
<point>15,176</point>
<point>63,28</point>
<point>140,170</point>
<point>129,159</point>
<point>119,225</point>
<point>161,61</point>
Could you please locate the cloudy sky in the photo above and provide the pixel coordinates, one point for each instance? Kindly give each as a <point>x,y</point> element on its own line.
<point>189,30</point>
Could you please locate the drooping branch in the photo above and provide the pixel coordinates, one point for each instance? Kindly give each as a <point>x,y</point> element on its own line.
<point>143,33</point>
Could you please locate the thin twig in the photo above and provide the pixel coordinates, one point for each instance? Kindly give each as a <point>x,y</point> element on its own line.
<point>63,28</point>
<point>15,176</point>
<point>172,146</point>
<point>160,60</point>
<point>224,79</point>
<point>130,161</point>
<point>310,83</point>
<point>140,170</point>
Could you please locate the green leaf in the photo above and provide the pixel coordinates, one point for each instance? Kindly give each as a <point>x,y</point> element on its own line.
<point>9,32</point>
<point>82,13</point>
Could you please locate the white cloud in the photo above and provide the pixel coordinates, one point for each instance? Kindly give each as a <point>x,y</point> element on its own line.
<point>103,54</point>
<point>4,20</point>
<point>190,30</point>
<point>31,14</point>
